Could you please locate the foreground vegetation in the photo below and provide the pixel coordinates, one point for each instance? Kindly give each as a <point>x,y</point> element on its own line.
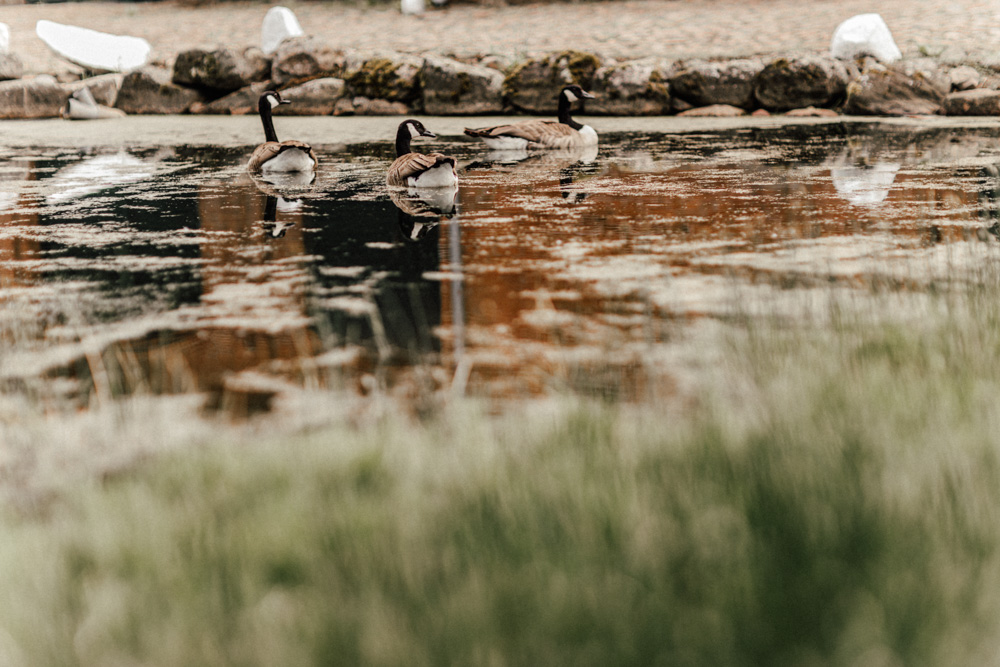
<point>835,502</point>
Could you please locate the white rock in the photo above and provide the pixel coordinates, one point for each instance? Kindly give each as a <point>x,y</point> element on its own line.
<point>411,6</point>
<point>279,24</point>
<point>98,51</point>
<point>4,38</point>
<point>864,34</point>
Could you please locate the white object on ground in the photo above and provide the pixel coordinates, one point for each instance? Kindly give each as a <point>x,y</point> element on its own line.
<point>279,24</point>
<point>864,186</point>
<point>94,50</point>
<point>412,6</point>
<point>864,34</point>
<point>4,38</point>
<point>81,105</point>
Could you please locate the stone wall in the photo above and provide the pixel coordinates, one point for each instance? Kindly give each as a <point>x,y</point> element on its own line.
<point>323,80</point>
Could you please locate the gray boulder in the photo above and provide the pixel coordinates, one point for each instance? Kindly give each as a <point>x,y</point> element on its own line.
<point>103,88</point>
<point>901,89</point>
<point>807,81</point>
<point>394,77</point>
<point>636,88</point>
<point>38,97</point>
<point>149,90</point>
<point>704,83</point>
<point>243,101</point>
<point>453,88</point>
<point>317,97</point>
<point>978,102</point>
<point>218,72</point>
<point>302,58</point>
<point>534,84</point>
<point>10,67</point>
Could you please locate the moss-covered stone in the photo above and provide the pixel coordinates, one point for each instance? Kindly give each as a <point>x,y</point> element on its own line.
<point>451,87</point>
<point>704,83</point>
<point>395,79</point>
<point>216,72</point>
<point>534,84</point>
<point>806,81</point>
<point>636,88</point>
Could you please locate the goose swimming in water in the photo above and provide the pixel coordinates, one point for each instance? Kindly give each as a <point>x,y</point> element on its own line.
<point>275,156</point>
<point>564,133</point>
<point>416,169</point>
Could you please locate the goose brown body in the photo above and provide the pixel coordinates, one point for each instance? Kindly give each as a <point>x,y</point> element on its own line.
<point>280,156</point>
<point>537,133</point>
<point>411,169</point>
<point>413,165</point>
<point>272,149</point>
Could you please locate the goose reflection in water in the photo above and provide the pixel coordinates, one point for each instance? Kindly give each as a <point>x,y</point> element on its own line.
<point>284,195</point>
<point>422,209</point>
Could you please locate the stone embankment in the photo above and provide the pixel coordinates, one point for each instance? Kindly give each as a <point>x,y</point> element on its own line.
<point>322,80</point>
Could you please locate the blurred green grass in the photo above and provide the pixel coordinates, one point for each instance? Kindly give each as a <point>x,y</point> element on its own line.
<point>835,500</point>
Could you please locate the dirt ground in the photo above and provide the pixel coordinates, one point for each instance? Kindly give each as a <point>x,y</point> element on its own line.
<point>626,29</point>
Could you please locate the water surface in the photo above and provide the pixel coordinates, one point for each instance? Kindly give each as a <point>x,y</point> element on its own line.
<point>167,269</point>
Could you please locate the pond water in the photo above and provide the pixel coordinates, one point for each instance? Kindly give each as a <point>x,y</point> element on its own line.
<point>169,270</point>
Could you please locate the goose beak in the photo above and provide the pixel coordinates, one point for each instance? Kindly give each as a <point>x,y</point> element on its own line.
<point>587,95</point>
<point>284,102</point>
<point>428,133</point>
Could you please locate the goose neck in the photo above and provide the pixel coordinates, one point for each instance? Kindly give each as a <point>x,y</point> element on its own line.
<point>403,140</point>
<point>564,117</point>
<point>264,107</point>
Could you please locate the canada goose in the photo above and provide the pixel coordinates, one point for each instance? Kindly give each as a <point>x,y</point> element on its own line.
<point>416,169</point>
<point>275,156</point>
<point>566,133</point>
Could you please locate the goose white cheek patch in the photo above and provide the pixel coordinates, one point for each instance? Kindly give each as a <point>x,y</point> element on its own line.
<point>570,96</point>
<point>414,132</point>
<point>272,100</point>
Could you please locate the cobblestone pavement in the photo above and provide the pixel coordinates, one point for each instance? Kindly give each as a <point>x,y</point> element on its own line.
<point>624,29</point>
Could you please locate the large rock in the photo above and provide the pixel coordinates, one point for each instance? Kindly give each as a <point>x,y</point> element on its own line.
<point>808,81</point>
<point>393,77</point>
<point>299,59</point>
<point>978,102</point>
<point>39,97</point>
<point>103,88</point>
<point>149,90</point>
<point>243,101</point>
<point>904,89</point>
<point>534,85</point>
<point>637,88</point>
<point>220,71</point>
<point>10,67</point>
<point>454,88</point>
<point>317,97</point>
<point>704,83</point>
<point>279,24</point>
<point>864,35</point>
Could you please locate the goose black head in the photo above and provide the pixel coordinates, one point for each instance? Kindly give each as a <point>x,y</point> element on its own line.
<point>575,92</point>
<point>417,129</point>
<point>273,98</point>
